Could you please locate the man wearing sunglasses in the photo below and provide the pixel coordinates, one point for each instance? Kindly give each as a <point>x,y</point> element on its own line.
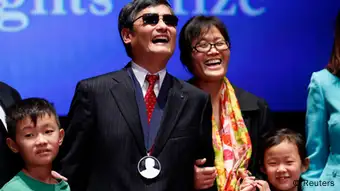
<point>139,128</point>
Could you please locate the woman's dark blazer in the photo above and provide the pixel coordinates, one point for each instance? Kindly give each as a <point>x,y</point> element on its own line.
<point>257,117</point>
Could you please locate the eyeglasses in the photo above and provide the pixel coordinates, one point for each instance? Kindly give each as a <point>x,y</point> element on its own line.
<point>206,46</point>
<point>153,19</point>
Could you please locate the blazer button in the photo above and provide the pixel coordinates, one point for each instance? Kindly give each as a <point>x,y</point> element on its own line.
<point>334,173</point>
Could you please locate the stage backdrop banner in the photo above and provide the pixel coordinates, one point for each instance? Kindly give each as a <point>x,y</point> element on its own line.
<point>47,46</point>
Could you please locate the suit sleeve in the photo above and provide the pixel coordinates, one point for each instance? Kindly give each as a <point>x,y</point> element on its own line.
<point>266,122</point>
<point>9,96</point>
<point>206,149</point>
<point>265,126</point>
<point>317,143</point>
<point>77,144</point>
<point>15,94</point>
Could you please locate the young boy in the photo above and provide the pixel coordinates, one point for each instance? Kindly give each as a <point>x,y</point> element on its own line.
<point>34,132</point>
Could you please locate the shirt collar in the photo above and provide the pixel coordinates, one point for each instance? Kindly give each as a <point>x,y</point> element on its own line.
<point>141,73</point>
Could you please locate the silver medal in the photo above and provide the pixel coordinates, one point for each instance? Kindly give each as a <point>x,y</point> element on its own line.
<point>149,167</point>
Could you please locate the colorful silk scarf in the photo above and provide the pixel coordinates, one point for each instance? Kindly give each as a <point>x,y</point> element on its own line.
<point>231,141</point>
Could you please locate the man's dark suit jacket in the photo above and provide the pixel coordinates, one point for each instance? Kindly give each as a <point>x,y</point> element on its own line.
<point>104,139</point>
<point>8,166</point>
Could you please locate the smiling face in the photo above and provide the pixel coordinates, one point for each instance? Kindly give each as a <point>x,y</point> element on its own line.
<point>211,65</point>
<point>155,39</point>
<point>37,144</point>
<point>283,165</point>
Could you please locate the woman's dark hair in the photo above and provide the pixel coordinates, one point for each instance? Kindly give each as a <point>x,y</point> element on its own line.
<point>334,62</point>
<point>195,28</point>
<point>276,137</point>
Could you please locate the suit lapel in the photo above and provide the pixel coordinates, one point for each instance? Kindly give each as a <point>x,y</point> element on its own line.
<point>3,101</point>
<point>124,94</point>
<point>248,106</point>
<point>3,106</point>
<point>173,108</point>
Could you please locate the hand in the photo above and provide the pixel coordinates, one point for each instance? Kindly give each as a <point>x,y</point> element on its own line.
<point>262,185</point>
<point>204,176</point>
<point>58,176</point>
<point>248,184</point>
<point>244,174</point>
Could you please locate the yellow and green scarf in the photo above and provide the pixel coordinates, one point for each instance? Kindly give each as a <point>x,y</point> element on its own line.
<point>231,141</point>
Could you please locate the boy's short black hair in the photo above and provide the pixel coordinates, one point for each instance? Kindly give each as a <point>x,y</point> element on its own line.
<point>30,107</point>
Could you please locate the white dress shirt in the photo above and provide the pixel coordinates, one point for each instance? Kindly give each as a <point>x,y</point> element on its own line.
<point>141,73</point>
<point>3,117</point>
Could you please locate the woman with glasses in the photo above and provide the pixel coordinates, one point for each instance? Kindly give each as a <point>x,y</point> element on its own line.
<point>239,118</point>
<point>323,124</point>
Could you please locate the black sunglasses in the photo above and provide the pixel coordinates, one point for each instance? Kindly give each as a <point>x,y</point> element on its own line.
<point>153,19</point>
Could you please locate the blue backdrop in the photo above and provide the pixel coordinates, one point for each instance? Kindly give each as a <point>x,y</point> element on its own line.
<point>47,46</point>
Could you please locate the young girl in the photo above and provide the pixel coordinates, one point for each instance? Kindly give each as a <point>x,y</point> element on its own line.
<point>283,160</point>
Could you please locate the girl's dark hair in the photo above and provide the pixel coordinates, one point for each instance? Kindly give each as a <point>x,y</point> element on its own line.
<point>276,137</point>
<point>334,62</point>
